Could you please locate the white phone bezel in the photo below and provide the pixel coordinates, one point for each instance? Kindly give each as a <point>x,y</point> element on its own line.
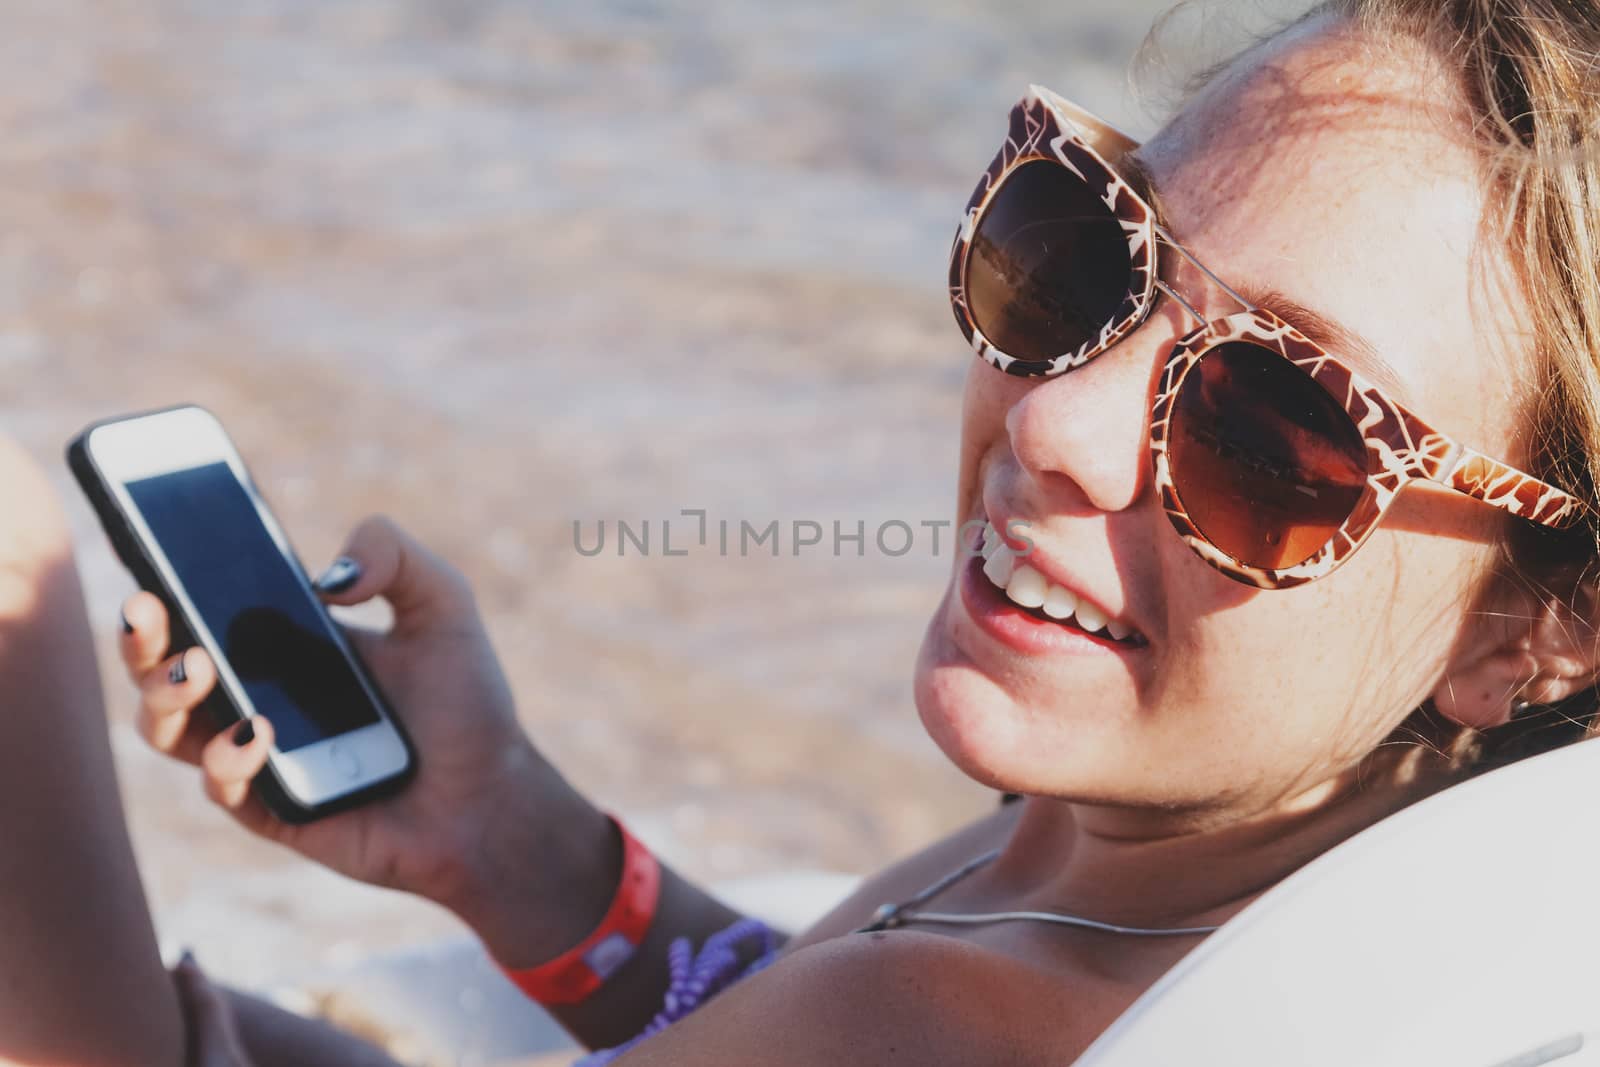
<point>184,438</point>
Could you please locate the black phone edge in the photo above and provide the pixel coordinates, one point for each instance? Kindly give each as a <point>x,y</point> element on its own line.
<point>219,705</point>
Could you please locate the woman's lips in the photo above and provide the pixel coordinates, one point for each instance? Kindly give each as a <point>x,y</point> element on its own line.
<point>1030,629</point>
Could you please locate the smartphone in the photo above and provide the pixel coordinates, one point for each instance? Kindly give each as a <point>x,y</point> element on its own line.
<point>186,519</point>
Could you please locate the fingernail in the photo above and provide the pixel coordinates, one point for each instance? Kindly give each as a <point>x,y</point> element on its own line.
<point>244,733</point>
<point>341,574</point>
<point>127,627</point>
<point>178,674</point>
<point>187,959</point>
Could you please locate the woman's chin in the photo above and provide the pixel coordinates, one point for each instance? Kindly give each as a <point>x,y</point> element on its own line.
<point>990,736</point>
<point>953,711</point>
<point>1007,743</point>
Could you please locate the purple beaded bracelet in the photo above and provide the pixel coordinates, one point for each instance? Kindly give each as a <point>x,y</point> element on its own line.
<point>696,978</point>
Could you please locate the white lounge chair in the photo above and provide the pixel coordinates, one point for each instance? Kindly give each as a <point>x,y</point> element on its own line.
<point>1463,931</point>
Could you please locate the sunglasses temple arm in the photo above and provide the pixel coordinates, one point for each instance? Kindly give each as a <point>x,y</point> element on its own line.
<point>1502,486</point>
<point>1170,291</point>
<point>1172,243</point>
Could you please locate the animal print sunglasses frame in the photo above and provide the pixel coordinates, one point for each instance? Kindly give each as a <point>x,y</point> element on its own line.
<point>1400,447</point>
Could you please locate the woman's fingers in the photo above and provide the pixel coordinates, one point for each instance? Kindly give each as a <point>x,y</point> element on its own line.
<point>381,559</point>
<point>145,634</point>
<point>168,694</point>
<point>233,758</point>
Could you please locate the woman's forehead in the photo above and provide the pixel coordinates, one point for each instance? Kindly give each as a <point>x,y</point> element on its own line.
<point>1350,186</point>
<point>1320,115</point>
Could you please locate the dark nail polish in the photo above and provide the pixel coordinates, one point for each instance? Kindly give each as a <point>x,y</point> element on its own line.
<point>178,674</point>
<point>187,959</point>
<point>127,627</point>
<point>343,573</point>
<point>244,733</point>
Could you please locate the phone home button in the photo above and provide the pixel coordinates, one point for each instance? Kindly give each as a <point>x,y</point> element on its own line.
<point>344,761</point>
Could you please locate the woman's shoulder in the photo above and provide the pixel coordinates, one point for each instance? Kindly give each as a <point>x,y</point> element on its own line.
<point>899,997</point>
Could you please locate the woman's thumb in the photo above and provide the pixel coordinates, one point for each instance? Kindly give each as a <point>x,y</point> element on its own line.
<point>381,559</point>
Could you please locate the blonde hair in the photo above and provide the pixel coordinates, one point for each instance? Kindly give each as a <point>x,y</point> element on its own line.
<point>1530,70</point>
<point>1530,73</point>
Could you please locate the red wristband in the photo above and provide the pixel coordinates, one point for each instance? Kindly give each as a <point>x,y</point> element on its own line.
<point>575,974</point>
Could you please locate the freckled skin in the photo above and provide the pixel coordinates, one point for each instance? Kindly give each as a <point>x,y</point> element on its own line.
<point>1347,184</point>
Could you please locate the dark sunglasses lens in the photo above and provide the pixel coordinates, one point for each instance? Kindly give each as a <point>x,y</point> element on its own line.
<point>1265,462</point>
<point>1049,265</point>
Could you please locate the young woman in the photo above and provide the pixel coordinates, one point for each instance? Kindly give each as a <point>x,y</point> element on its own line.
<point>1291,415</point>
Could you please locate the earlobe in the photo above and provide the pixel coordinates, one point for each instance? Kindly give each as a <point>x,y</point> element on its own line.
<point>1482,695</point>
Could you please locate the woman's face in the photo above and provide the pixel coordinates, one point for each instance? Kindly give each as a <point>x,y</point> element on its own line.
<point>1344,184</point>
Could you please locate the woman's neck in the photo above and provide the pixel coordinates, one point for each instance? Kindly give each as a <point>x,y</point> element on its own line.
<point>1176,869</point>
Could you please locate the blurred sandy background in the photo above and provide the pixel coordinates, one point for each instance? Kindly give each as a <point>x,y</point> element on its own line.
<point>494,267</point>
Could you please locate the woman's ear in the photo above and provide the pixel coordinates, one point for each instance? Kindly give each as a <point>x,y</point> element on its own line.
<point>1537,649</point>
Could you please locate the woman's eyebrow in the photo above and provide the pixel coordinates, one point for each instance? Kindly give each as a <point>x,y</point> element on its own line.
<point>1341,341</point>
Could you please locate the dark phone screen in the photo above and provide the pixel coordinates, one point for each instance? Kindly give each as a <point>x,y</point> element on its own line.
<point>275,638</point>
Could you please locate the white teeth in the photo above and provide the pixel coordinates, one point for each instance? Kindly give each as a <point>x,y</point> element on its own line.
<point>1089,617</point>
<point>999,567</point>
<point>1027,587</point>
<point>1059,604</point>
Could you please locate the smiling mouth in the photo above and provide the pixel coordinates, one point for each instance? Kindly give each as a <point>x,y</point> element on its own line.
<point>1036,595</point>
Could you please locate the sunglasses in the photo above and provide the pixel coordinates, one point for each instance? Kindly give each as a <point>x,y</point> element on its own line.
<point>1273,459</point>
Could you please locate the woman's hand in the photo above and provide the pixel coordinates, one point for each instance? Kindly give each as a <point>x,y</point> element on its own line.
<point>485,819</point>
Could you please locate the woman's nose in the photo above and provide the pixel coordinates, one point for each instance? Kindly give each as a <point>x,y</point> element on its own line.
<point>1091,426</point>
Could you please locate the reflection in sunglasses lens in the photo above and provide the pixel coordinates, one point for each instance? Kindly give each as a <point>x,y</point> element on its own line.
<point>1049,266</point>
<point>1266,463</point>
